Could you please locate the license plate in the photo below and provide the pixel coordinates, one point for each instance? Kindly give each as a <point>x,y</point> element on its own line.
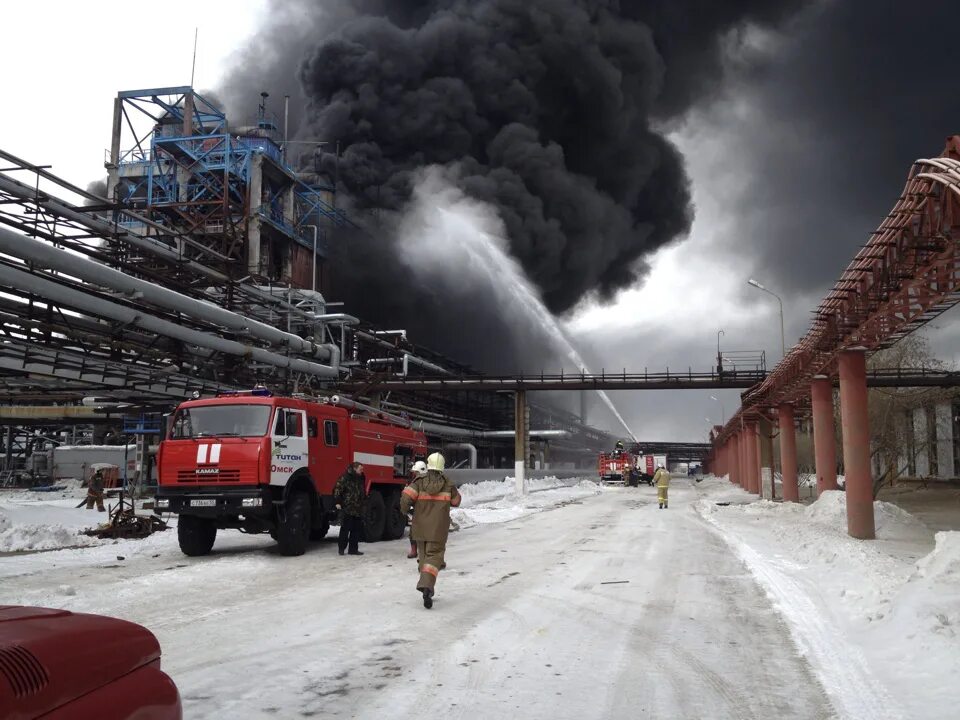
<point>203,503</point>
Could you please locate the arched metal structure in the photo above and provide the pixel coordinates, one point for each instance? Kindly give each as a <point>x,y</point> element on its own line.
<point>907,274</point>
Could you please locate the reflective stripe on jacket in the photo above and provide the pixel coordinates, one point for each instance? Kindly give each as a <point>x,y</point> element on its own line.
<point>431,497</point>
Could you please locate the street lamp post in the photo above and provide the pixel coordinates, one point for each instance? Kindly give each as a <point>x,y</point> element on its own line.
<point>723,412</point>
<point>719,356</point>
<point>783,341</point>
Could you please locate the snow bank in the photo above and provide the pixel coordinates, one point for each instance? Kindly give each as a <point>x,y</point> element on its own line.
<point>496,501</point>
<point>892,522</point>
<point>40,537</point>
<point>27,524</point>
<point>875,618</point>
<point>943,563</point>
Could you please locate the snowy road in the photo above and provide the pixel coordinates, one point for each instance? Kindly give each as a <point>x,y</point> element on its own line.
<point>606,608</point>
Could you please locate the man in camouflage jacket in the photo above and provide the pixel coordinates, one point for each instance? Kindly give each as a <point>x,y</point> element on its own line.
<point>431,496</point>
<point>350,494</point>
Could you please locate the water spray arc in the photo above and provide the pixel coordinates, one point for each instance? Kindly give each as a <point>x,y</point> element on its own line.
<point>445,229</point>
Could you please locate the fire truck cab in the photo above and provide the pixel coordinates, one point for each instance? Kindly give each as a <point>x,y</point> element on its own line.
<point>258,463</point>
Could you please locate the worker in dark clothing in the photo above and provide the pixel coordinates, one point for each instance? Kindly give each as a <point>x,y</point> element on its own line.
<point>618,448</point>
<point>431,496</point>
<point>95,491</point>
<point>350,494</point>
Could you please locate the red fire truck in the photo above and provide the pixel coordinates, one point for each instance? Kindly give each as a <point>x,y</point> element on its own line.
<point>259,463</point>
<point>616,466</point>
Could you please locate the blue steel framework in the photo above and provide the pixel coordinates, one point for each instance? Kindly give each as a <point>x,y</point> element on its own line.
<point>226,193</point>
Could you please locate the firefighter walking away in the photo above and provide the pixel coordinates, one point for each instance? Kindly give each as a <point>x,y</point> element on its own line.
<point>430,497</point>
<point>662,480</point>
<point>95,491</point>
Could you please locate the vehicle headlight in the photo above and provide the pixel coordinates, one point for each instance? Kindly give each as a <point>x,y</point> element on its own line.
<point>252,502</point>
<point>163,503</point>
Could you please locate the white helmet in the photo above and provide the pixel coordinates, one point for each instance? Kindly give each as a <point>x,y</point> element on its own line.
<point>419,468</point>
<point>436,462</point>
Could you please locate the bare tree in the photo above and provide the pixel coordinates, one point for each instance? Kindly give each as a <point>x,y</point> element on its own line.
<point>891,411</point>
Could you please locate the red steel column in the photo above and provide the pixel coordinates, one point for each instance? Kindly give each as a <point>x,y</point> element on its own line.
<point>745,458</point>
<point>735,457</point>
<point>788,454</point>
<point>752,458</point>
<point>824,438</point>
<point>856,444</point>
<point>741,480</point>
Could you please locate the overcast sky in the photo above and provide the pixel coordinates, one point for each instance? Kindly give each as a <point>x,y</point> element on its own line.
<point>792,161</point>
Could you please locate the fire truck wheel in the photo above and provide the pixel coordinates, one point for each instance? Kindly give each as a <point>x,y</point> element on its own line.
<point>374,517</point>
<point>395,520</point>
<point>294,530</point>
<point>319,532</point>
<point>196,535</point>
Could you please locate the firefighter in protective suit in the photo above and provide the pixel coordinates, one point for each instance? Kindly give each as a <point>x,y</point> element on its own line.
<point>431,497</point>
<point>662,479</point>
<point>95,491</point>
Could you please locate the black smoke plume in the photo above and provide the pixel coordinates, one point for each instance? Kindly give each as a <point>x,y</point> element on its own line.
<point>837,117</point>
<point>550,111</point>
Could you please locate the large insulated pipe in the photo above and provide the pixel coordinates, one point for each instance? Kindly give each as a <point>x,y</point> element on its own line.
<point>426,364</point>
<point>451,431</point>
<point>101,227</point>
<point>471,451</point>
<point>157,249</point>
<point>531,433</point>
<point>349,404</point>
<point>46,256</point>
<point>60,294</point>
<point>444,430</point>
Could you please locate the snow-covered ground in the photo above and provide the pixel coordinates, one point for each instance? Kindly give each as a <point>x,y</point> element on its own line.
<point>31,521</point>
<point>575,601</point>
<point>878,620</point>
<point>497,501</point>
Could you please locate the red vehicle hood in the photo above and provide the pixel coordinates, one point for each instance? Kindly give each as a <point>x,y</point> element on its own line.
<point>50,657</point>
<point>210,461</point>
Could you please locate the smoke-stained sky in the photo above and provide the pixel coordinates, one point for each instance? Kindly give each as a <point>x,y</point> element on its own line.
<point>795,121</point>
<point>548,111</point>
<point>845,100</point>
<point>793,165</point>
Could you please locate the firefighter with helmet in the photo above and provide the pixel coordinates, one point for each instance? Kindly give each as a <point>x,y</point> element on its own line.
<point>662,479</point>
<point>418,470</point>
<point>431,497</point>
<point>95,491</point>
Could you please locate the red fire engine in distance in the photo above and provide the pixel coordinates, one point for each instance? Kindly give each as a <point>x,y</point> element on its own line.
<point>259,463</point>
